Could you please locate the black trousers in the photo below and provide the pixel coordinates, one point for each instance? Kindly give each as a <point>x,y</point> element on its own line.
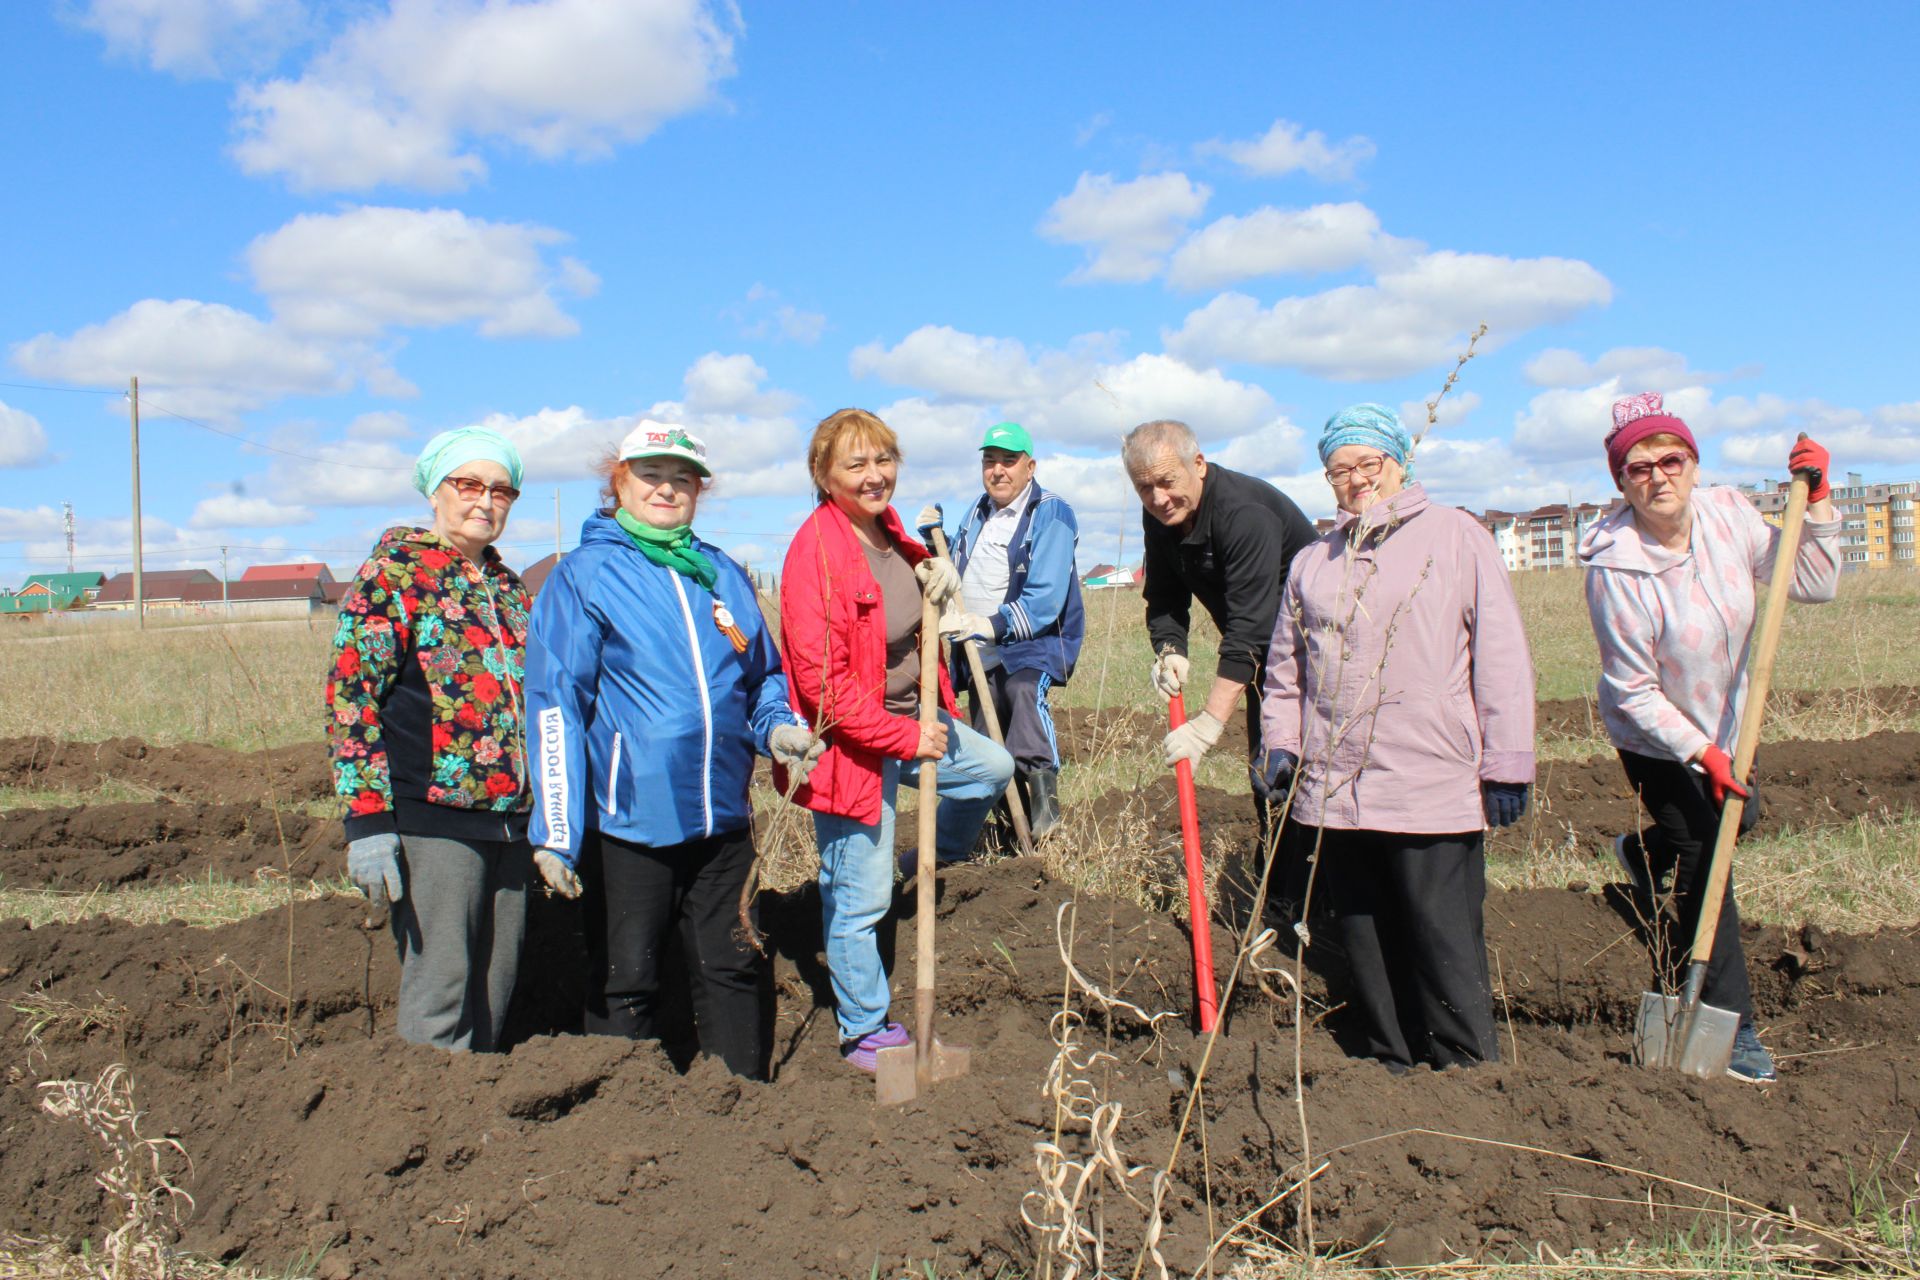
<point>1026,721</point>
<point>1679,843</point>
<point>640,893</point>
<point>1410,912</point>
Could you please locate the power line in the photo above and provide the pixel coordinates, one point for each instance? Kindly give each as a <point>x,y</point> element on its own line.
<point>77,391</point>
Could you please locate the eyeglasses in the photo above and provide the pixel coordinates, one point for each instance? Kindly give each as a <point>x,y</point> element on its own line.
<point>1366,468</point>
<point>497,494</point>
<point>1672,465</point>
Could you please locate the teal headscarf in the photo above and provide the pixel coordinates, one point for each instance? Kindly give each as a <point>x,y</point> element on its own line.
<point>451,450</point>
<point>1373,425</point>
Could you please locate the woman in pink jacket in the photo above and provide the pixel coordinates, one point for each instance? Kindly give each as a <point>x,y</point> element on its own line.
<point>1399,690</point>
<point>1670,590</point>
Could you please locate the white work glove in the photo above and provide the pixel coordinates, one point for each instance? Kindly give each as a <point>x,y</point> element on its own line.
<point>1170,674</point>
<point>961,627</point>
<point>558,875</point>
<point>1192,739</point>
<point>938,579</point>
<point>373,863</point>
<point>796,749</point>
<point>931,517</point>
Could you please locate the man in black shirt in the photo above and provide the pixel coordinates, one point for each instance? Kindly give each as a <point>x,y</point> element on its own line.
<point>1227,539</point>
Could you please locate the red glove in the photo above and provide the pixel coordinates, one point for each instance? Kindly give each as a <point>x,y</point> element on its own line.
<point>1719,770</point>
<point>1812,459</point>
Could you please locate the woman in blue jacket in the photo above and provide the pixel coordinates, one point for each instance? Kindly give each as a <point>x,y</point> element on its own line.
<point>652,682</point>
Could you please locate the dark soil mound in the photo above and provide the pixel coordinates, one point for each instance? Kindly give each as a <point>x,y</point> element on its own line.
<point>315,1127</point>
<point>119,844</point>
<point>1580,717</point>
<point>284,775</point>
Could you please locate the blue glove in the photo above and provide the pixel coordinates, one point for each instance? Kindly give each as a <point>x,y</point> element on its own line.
<point>373,863</point>
<point>1272,773</point>
<point>1504,802</point>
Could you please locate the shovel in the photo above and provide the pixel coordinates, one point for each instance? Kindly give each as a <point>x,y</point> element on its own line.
<point>980,691</point>
<point>1679,1031</point>
<point>1209,1002</point>
<point>906,1071</point>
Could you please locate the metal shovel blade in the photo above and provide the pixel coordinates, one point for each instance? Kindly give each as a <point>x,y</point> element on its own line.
<point>1696,1040</point>
<point>899,1074</point>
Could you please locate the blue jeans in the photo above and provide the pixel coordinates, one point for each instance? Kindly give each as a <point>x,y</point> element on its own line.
<point>857,865</point>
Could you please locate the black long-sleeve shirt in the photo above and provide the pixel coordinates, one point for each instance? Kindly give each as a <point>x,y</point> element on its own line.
<point>1234,557</point>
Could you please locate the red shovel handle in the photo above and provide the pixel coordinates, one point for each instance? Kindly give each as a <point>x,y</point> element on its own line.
<point>1196,879</point>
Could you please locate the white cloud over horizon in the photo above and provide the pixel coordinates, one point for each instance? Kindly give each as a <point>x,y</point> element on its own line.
<point>1288,148</point>
<point>1126,228</point>
<point>1271,242</point>
<point>23,441</point>
<point>191,38</point>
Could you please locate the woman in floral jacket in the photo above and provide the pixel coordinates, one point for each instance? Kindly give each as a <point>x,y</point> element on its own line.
<point>425,719</point>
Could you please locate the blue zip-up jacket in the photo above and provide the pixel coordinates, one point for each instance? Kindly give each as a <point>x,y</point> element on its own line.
<point>644,719</point>
<point>1042,623</point>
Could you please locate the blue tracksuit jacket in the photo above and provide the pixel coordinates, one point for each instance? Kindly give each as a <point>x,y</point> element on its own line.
<point>644,720</point>
<point>1042,623</point>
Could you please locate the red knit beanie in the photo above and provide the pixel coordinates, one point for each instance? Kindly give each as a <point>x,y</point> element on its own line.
<point>1635,418</point>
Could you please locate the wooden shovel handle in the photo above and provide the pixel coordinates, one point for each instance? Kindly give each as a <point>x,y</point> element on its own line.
<point>929,833</point>
<point>1759,681</point>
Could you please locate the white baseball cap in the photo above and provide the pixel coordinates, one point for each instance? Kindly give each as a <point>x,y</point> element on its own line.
<point>653,439</point>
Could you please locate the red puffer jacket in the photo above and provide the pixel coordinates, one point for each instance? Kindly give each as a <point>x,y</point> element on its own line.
<point>833,635</point>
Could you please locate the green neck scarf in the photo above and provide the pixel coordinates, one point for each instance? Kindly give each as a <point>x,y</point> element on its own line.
<point>669,548</point>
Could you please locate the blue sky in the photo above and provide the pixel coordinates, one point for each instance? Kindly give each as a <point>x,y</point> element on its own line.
<point>332,229</point>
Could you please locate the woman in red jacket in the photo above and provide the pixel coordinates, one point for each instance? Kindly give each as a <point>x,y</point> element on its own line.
<point>850,600</point>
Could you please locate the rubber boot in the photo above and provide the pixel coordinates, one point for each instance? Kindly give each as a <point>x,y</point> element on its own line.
<point>1043,800</point>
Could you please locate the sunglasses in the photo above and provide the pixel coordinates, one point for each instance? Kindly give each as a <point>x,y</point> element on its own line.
<point>1671,465</point>
<point>1366,468</point>
<point>470,489</point>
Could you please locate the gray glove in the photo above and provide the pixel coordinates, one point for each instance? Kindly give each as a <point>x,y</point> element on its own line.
<point>1193,739</point>
<point>373,863</point>
<point>938,579</point>
<point>796,750</point>
<point>931,518</point>
<point>559,876</point>
<point>1170,671</point>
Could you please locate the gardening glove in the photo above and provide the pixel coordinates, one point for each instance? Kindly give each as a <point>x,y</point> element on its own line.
<point>796,750</point>
<point>1812,459</point>
<point>1272,773</point>
<point>1170,673</point>
<point>1718,767</point>
<point>959,627</point>
<point>558,875</point>
<point>373,863</point>
<point>1192,739</point>
<point>931,518</point>
<point>938,579</point>
<point>1504,802</point>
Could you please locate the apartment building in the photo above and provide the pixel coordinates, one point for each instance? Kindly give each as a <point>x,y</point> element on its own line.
<point>1544,538</point>
<point>1876,520</point>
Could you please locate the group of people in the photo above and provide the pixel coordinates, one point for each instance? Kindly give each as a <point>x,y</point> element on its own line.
<point>604,737</point>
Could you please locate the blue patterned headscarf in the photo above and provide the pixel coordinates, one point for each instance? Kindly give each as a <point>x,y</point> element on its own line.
<point>456,448</point>
<point>1373,425</point>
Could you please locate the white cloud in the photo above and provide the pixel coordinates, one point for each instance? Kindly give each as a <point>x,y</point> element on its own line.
<point>1127,227</point>
<point>1638,368</point>
<point>236,511</point>
<point>1284,148</point>
<point>1565,424</point>
<point>360,473</point>
<point>202,358</point>
<point>356,273</point>
<point>763,315</point>
<point>966,366</point>
<point>23,441</point>
<point>1760,433</point>
<point>17,525</point>
<point>1451,411</point>
<point>1113,398</point>
<point>196,37</point>
<point>379,425</point>
<point>733,384</point>
<point>405,94</point>
<point>1412,317</point>
<point>1271,242</point>
<point>1273,450</point>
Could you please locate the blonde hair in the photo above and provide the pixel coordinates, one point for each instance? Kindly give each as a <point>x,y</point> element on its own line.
<point>846,428</point>
<point>609,466</point>
<point>1664,438</point>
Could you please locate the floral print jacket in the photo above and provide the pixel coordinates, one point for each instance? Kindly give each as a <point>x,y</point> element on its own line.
<point>424,702</point>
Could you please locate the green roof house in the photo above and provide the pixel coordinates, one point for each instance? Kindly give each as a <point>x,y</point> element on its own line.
<point>49,592</point>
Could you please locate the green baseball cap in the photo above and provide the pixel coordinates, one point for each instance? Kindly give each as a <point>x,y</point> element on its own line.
<point>1010,436</point>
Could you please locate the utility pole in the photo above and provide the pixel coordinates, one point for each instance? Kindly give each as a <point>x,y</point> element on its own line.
<point>139,583</point>
<point>66,509</point>
<point>556,524</point>
<point>226,606</point>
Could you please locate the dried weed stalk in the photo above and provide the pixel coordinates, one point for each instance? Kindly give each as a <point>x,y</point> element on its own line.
<point>136,1173</point>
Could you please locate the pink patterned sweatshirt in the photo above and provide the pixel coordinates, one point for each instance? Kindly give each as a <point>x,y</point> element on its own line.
<point>1673,626</point>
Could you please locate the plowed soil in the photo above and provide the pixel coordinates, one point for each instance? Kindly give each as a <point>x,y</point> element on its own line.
<point>285,775</point>
<point>122,844</point>
<point>316,1127</point>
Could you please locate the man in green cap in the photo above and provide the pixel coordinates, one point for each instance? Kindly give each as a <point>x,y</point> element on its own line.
<point>1020,598</point>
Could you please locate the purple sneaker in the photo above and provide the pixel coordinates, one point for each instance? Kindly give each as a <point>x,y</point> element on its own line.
<point>864,1052</point>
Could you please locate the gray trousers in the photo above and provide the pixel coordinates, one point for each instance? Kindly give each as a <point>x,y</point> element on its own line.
<point>458,930</point>
<point>1026,721</point>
